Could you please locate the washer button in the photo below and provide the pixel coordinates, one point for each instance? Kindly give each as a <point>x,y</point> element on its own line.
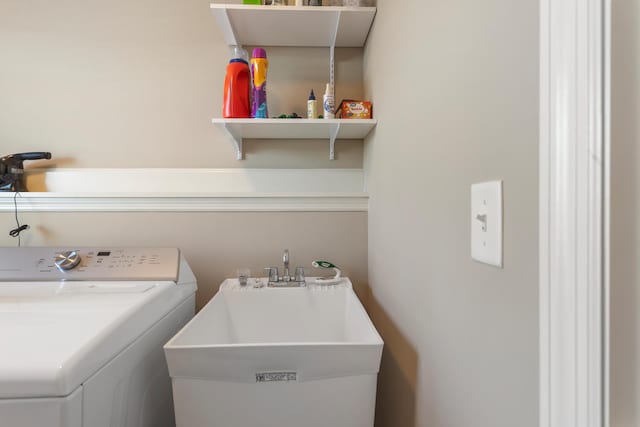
<point>67,260</point>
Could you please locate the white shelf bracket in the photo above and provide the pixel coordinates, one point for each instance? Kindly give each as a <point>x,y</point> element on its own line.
<point>239,149</point>
<point>229,31</point>
<point>332,140</point>
<point>236,138</point>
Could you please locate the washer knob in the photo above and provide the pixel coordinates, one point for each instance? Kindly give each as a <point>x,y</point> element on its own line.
<point>67,260</point>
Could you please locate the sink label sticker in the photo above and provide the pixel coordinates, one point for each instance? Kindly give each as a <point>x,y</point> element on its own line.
<point>265,377</point>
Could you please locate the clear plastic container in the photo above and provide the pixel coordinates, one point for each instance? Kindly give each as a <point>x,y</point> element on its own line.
<point>358,3</point>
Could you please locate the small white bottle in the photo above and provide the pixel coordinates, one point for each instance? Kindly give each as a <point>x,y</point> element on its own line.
<point>328,103</point>
<point>312,106</point>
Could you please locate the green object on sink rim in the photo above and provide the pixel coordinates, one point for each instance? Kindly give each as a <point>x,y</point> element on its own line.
<point>323,264</point>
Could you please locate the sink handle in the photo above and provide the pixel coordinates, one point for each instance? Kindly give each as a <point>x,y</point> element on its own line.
<point>272,274</point>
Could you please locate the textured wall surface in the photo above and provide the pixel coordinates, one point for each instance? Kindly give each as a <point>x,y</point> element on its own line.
<point>625,211</point>
<point>455,89</point>
<point>215,244</point>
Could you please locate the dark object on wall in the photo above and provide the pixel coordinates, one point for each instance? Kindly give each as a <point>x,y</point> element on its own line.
<point>12,170</point>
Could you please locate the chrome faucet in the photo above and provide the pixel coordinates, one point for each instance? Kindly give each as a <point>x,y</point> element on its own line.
<point>285,280</point>
<point>285,259</point>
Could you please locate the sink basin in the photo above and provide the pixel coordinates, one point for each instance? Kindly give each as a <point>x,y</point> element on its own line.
<point>252,354</point>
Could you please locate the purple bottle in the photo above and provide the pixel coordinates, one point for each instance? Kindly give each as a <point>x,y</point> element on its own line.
<point>259,66</point>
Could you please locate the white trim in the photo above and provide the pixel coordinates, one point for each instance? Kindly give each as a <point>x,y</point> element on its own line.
<point>48,202</point>
<point>572,289</point>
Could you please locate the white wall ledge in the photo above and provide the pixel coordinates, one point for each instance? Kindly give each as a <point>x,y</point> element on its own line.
<point>59,202</point>
<point>192,190</point>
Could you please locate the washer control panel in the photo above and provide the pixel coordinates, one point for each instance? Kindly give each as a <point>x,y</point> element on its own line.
<point>44,264</point>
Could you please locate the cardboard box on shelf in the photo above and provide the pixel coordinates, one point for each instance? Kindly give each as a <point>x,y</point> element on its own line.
<point>352,109</point>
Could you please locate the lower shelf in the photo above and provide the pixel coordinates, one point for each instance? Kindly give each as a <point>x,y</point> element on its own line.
<point>330,129</point>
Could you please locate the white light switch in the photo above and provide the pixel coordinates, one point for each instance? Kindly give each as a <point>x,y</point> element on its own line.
<point>486,222</point>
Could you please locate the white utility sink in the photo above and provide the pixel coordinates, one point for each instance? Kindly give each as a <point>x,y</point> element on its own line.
<point>276,356</point>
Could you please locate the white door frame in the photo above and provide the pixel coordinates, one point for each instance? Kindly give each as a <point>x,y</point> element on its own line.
<point>574,144</point>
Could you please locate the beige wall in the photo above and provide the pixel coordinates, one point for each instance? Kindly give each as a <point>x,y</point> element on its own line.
<point>625,210</point>
<point>135,84</point>
<point>455,89</point>
<point>215,244</point>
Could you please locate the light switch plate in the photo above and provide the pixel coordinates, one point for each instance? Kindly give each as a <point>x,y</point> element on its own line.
<point>486,222</point>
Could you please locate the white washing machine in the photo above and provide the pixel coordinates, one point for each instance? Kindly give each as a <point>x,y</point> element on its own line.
<point>81,335</point>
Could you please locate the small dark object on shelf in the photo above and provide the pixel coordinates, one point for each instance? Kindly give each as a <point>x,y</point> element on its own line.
<point>12,170</point>
<point>289,116</point>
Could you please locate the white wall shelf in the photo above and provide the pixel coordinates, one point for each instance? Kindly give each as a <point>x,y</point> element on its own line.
<point>331,129</point>
<point>309,26</point>
<point>190,190</point>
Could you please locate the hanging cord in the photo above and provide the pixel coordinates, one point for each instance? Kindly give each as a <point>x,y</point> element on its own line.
<point>20,228</point>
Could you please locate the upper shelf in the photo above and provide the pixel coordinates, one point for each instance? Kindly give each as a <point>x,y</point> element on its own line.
<point>297,128</point>
<point>331,129</point>
<point>309,26</point>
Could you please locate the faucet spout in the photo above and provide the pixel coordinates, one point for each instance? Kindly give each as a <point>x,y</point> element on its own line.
<point>285,259</point>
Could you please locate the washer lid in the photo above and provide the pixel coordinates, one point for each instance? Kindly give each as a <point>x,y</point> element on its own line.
<point>53,336</point>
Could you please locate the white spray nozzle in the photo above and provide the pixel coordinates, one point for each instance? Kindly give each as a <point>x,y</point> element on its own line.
<point>326,264</point>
